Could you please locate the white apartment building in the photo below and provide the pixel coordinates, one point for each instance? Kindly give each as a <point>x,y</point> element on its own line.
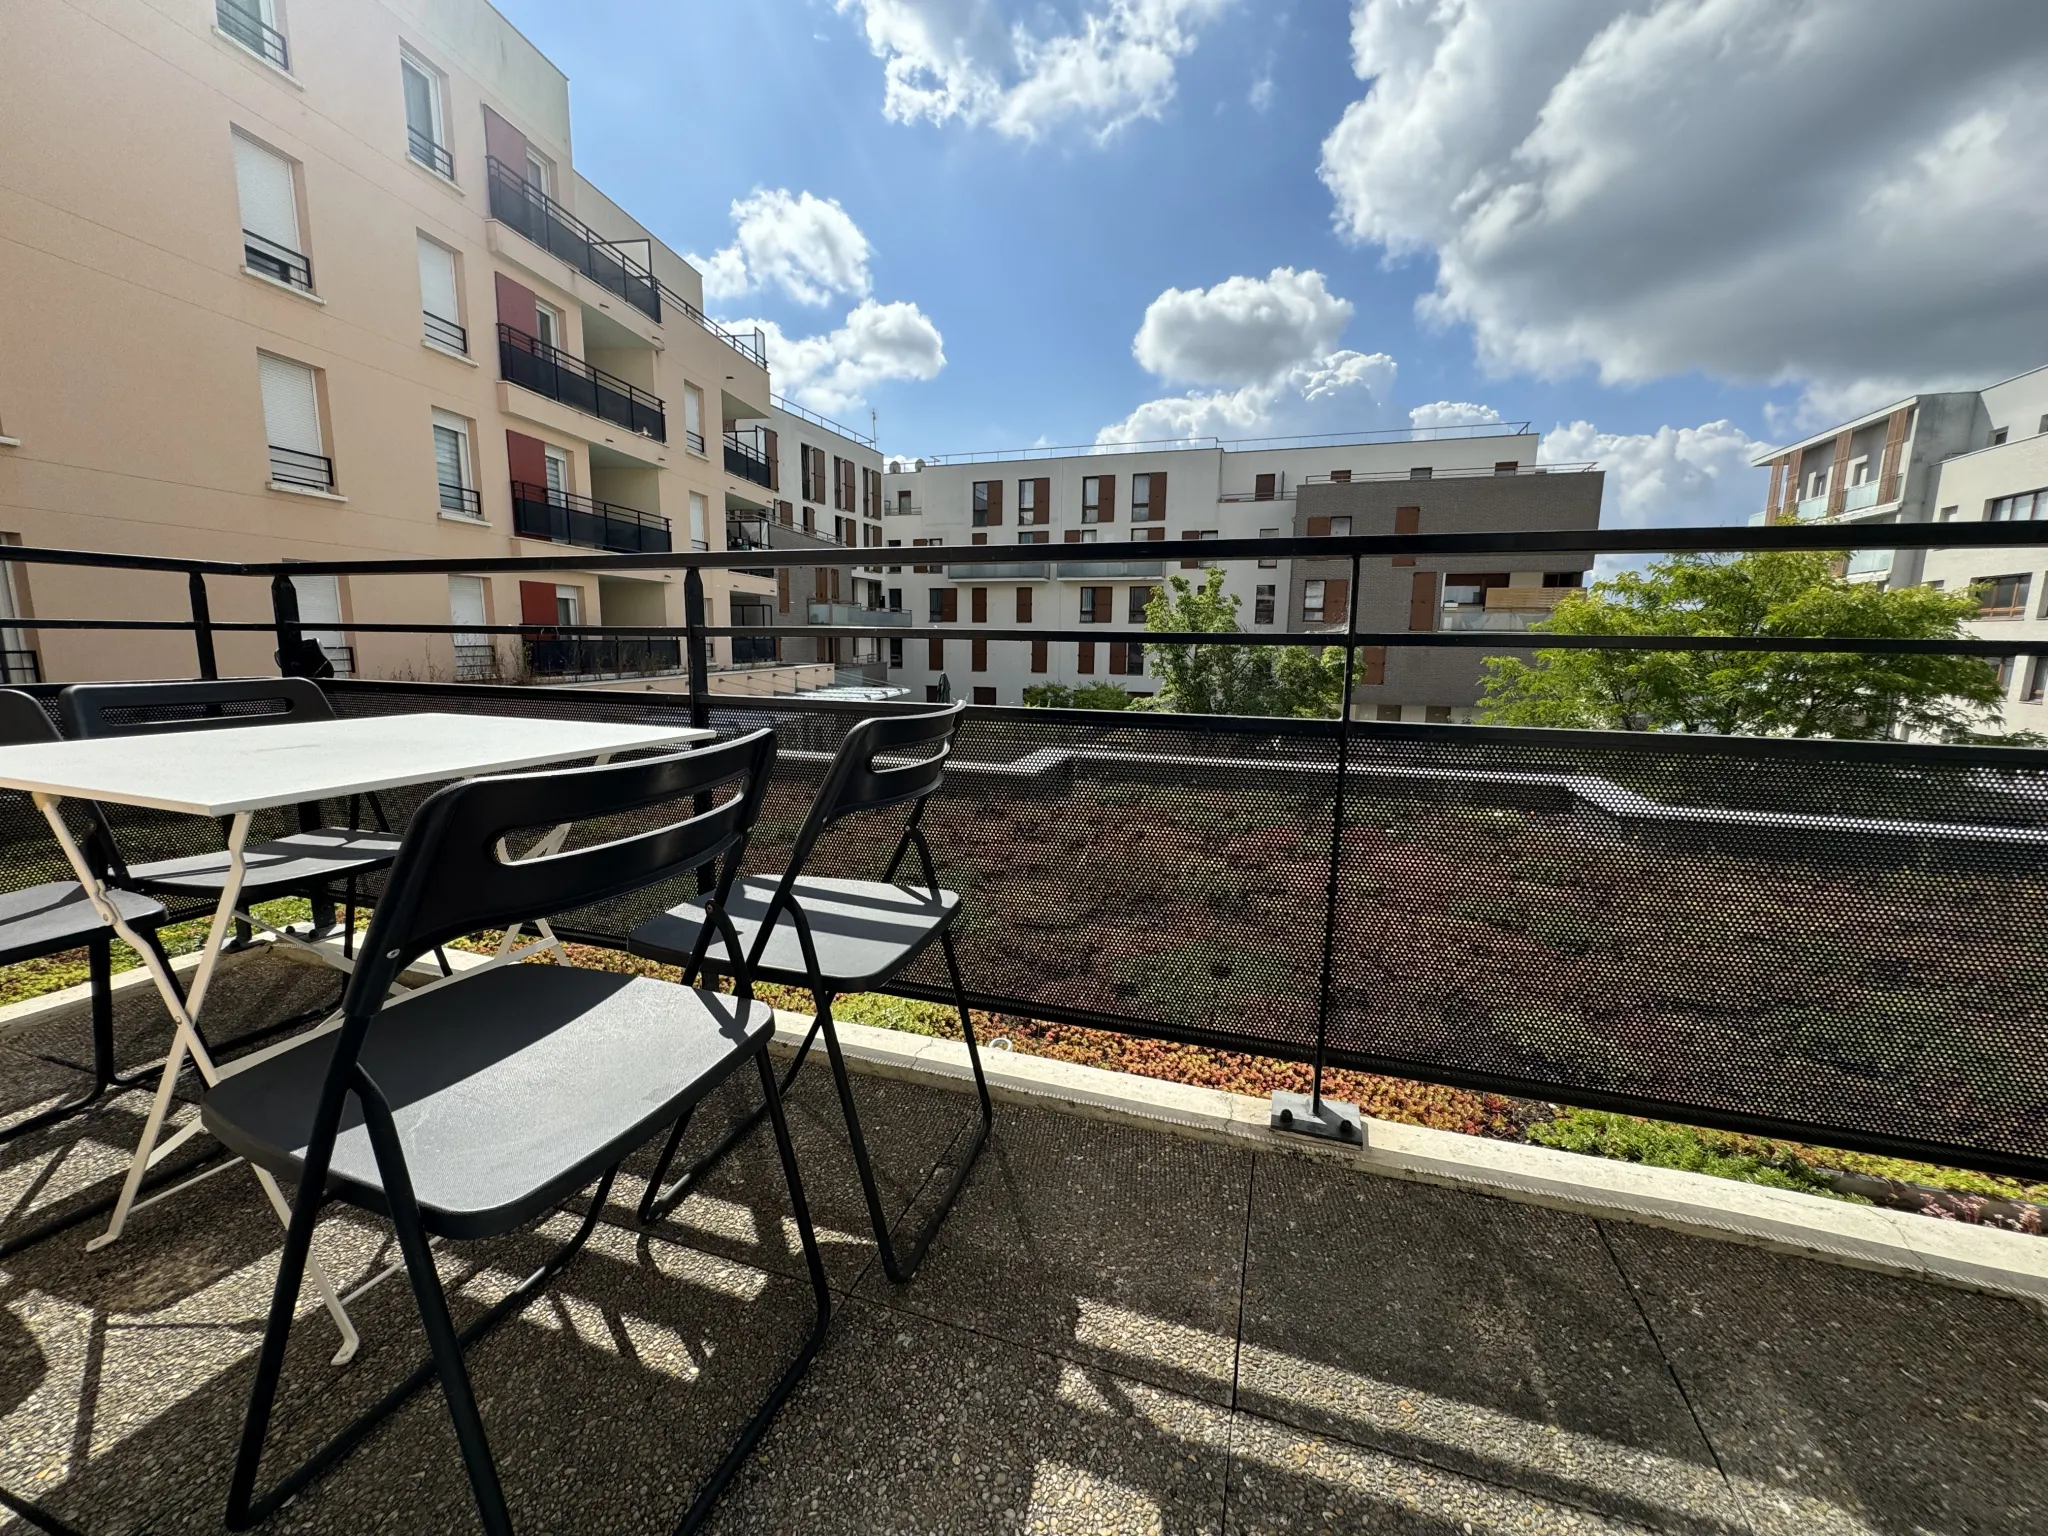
<point>1124,497</point>
<point>1958,456</point>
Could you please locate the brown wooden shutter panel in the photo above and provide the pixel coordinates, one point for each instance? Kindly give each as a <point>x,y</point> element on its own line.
<point>979,660</point>
<point>1073,535</point>
<point>1838,474</point>
<point>1044,500</point>
<point>1263,487</point>
<point>1777,486</point>
<point>774,459</point>
<point>995,504</point>
<point>1191,533</point>
<point>1038,655</point>
<point>1086,658</point>
<point>1023,605</point>
<point>782,590</point>
<point>936,654</point>
<point>1372,665</point>
<point>1116,658</point>
<point>949,605</point>
<point>1337,600</point>
<point>1105,604</point>
<point>832,582</point>
<point>818,588</point>
<point>1319,527</point>
<point>1407,520</point>
<point>1894,450</point>
<point>1107,501</point>
<point>1158,495</point>
<point>980,605</point>
<point>1422,604</point>
<point>537,603</point>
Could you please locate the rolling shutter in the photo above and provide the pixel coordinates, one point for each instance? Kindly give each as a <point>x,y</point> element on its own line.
<point>270,207</point>
<point>291,405</point>
<point>437,282</point>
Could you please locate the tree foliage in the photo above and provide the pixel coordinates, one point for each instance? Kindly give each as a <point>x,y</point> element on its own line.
<point>1086,696</point>
<point>1225,679</point>
<point>1782,594</point>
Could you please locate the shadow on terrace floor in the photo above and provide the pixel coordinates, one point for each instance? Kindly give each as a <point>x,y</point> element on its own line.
<point>1118,1331</point>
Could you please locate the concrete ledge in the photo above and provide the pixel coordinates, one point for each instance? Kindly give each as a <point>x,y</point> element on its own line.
<point>1784,1221</point>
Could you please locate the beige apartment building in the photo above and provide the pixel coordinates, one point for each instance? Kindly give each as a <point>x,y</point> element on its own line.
<point>319,280</point>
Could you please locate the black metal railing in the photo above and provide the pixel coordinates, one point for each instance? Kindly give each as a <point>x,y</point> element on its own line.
<point>532,364</point>
<point>241,22</point>
<point>475,662</point>
<point>597,653</point>
<point>433,156</point>
<point>462,500</point>
<point>279,262</point>
<point>443,332</point>
<point>566,518</point>
<point>20,666</point>
<point>745,457</point>
<point>517,202</point>
<point>292,466</point>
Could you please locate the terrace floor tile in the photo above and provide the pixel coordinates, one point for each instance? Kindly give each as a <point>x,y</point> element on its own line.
<point>1840,1400</point>
<point>1494,1340</point>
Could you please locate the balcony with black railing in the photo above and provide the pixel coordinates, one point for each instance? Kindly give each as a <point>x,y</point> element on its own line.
<point>566,518</point>
<point>280,263</point>
<point>295,467</point>
<point>241,20</point>
<point>517,202</point>
<point>532,364</point>
<point>445,333</point>
<point>747,457</point>
<point>598,654</point>
<point>433,156</point>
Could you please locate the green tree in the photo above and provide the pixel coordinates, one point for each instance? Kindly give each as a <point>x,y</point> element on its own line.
<point>1783,594</point>
<point>1225,679</point>
<point>1087,696</point>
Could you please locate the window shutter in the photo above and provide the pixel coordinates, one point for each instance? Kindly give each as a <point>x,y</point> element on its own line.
<point>782,590</point>
<point>270,206</point>
<point>979,660</point>
<point>784,513</point>
<point>1337,600</point>
<point>1038,655</point>
<point>1372,665</point>
<point>1044,500</point>
<point>1422,604</point>
<point>832,582</point>
<point>1158,495</point>
<point>437,282</point>
<point>1407,520</point>
<point>949,606</point>
<point>1073,535</point>
<point>936,654</point>
<point>818,584</point>
<point>1116,658</point>
<point>1105,604</point>
<point>995,504</point>
<point>537,603</point>
<point>1262,487</point>
<point>1319,527</point>
<point>1191,533</point>
<point>980,605</point>
<point>504,142</point>
<point>977,538</point>
<point>1340,476</point>
<point>1023,605</point>
<point>1086,664</point>
<point>527,458</point>
<point>1107,514</point>
<point>291,404</point>
<point>774,463</point>
<point>517,306</point>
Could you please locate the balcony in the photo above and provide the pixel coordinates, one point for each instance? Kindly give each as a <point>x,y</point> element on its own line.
<point>241,21</point>
<point>1021,570</point>
<point>857,613</point>
<point>533,364</point>
<point>1108,570</point>
<point>601,655</point>
<point>566,518</point>
<point>280,263</point>
<point>1505,608</point>
<point>1860,497</point>
<point>767,533</point>
<point>747,457</point>
<point>518,203</point>
<point>434,157</point>
<point>445,333</point>
<point>309,471</point>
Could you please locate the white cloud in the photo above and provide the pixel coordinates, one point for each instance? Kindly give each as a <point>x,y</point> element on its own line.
<point>1340,392</point>
<point>1675,477</point>
<point>1245,329</point>
<point>807,246</point>
<point>1261,95</point>
<point>1650,187</point>
<point>833,372</point>
<point>1451,413</point>
<point>947,59</point>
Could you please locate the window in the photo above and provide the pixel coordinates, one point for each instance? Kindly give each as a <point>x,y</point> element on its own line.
<point>895,594</point>
<point>983,695</point>
<point>1034,536</point>
<point>700,521</point>
<point>1437,714</point>
<point>1948,514</point>
<point>267,186</point>
<point>1390,713</point>
<point>1023,605</point>
<point>1148,498</point>
<point>2003,597</point>
<point>2037,679</point>
<point>1859,470</point>
<point>895,649</point>
<point>903,506</point>
<point>2026,507</point>
<point>540,174</point>
<point>1340,527</point>
<point>978,656</point>
<point>440,298</point>
<point>1126,658</point>
<point>1265,487</point>
<point>253,24</point>
<point>1421,472</point>
<point>1192,534</point>
<point>291,424</point>
<point>1469,591</point>
<point>320,620</point>
<point>1141,599</point>
<point>1097,604</point>
<point>1098,499</point>
<point>1997,437</point>
<point>568,606</point>
<point>945,605</point>
<point>1313,595</point>
<point>1147,535</point>
<point>1080,536</point>
<point>693,417</point>
<point>426,136</point>
<point>988,503</point>
<point>453,467</point>
<point>473,655</point>
<point>557,470</point>
<point>547,324</point>
<point>1262,603</point>
<point>1027,501</point>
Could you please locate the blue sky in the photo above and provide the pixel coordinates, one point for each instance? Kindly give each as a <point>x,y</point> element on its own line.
<point>1648,226</point>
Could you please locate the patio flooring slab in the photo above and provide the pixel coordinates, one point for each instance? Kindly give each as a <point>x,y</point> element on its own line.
<point>1119,1330</point>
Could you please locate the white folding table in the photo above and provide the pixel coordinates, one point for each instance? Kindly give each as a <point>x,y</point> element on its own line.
<point>235,773</point>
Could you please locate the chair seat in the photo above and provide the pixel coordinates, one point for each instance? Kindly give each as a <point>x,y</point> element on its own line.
<point>511,1089</point>
<point>47,918</point>
<point>303,858</point>
<point>865,931</point>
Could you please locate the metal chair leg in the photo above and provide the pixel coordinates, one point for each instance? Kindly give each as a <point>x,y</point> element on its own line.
<point>99,960</point>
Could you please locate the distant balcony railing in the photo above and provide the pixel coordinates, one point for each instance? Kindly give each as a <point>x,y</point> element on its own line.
<point>291,466</point>
<point>1090,570</point>
<point>245,26</point>
<point>565,518</point>
<point>434,157</point>
<point>1813,506</point>
<point>533,364</point>
<point>857,613</point>
<point>1023,570</point>
<point>475,661</point>
<point>745,458</point>
<point>602,655</point>
<point>277,261</point>
<point>751,650</point>
<point>20,667</point>
<point>766,533</point>
<point>446,333</point>
<point>519,203</point>
<point>1860,496</point>
<point>461,501</point>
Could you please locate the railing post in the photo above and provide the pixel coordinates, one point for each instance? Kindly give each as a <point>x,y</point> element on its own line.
<point>202,625</point>
<point>698,652</point>
<point>1311,1114</point>
<point>291,642</point>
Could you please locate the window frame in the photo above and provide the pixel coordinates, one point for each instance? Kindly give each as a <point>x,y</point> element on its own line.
<point>436,81</point>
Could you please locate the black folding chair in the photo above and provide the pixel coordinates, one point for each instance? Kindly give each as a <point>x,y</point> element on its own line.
<point>832,937</point>
<point>304,863</point>
<point>49,919</point>
<point>529,1081</point>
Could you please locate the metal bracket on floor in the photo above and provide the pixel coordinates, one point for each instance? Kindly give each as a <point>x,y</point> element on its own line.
<point>1312,1115</point>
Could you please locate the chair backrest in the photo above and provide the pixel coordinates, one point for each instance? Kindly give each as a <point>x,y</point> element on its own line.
<point>451,876</point>
<point>856,782</point>
<point>133,709</point>
<point>24,720</point>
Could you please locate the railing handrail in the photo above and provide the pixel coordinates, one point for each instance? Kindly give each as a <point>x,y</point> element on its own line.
<point>281,254</point>
<point>535,347</point>
<point>545,495</point>
<point>515,180</point>
<point>783,402</point>
<point>1231,444</point>
<point>267,42</point>
<point>1438,472</point>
